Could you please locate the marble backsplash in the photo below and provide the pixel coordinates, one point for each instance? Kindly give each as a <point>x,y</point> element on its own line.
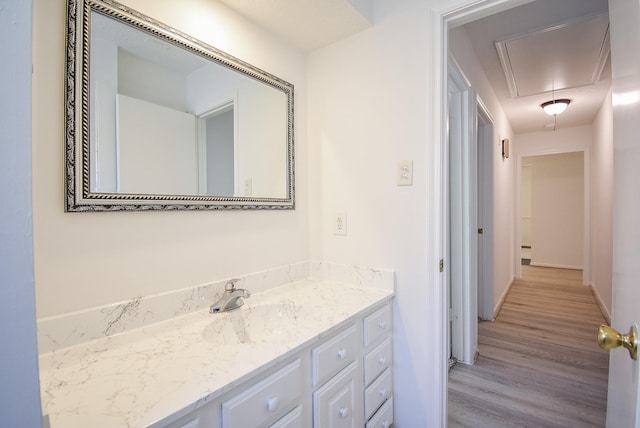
<point>74,328</point>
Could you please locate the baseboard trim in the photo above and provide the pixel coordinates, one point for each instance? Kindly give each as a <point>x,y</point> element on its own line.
<point>603,308</point>
<point>496,309</point>
<point>551,265</point>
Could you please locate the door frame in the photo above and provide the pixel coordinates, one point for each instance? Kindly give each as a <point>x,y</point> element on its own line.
<point>586,227</point>
<point>441,19</point>
<point>467,154</point>
<point>484,174</point>
<point>462,215</point>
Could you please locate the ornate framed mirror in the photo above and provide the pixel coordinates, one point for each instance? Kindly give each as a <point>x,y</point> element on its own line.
<point>158,120</point>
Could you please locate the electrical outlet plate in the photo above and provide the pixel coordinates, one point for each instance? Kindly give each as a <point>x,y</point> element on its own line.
<point>340,224</point>
<point>405,173</point>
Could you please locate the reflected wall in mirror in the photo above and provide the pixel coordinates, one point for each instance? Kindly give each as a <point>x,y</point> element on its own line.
<point>159,120</point>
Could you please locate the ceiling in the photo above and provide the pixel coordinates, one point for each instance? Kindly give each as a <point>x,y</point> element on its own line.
<point>307,24</point>
<point>543,50</point>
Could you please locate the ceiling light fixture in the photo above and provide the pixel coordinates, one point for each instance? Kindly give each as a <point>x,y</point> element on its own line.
<point>555,107</point>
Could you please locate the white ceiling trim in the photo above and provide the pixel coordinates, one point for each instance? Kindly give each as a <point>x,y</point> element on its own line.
<point>605,49</point>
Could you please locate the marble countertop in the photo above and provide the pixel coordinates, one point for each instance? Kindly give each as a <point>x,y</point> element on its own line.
<point>140,377</point>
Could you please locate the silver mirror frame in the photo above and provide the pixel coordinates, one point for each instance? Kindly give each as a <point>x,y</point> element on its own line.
<point>78,197</point>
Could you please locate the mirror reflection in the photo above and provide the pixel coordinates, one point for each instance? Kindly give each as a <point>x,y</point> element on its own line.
<point>177,121</point>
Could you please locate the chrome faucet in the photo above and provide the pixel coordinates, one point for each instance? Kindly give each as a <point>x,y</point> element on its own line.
<point>232,298</point>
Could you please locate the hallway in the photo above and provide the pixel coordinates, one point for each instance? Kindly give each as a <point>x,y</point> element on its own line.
<point>539,363</point>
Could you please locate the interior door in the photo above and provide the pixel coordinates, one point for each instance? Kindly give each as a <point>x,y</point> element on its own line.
<point>624,373</point>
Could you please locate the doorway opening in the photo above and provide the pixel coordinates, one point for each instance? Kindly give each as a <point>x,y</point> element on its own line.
<point>449,19</point>
<point>553,210</point>
<point>218,150</point>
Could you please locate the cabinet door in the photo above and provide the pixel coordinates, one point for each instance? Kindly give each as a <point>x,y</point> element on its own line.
<point>337,403</point>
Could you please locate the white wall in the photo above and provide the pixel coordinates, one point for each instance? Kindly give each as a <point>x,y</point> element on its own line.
<point>602,203</point>
<point>557,211</point>
<point>563,140</point>
<point>88,259</point>
<point>368,106</point>
<point>20,390</point>
<point>157,149</point>
<point>148,81</point>
<point>503,169</point>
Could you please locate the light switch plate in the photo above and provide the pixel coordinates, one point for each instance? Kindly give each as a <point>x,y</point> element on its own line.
<point>248,186</point>
<point>405,173</point>
<point>340,224</point>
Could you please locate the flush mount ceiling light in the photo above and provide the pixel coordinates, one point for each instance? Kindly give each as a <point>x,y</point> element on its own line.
<point>555,107</point>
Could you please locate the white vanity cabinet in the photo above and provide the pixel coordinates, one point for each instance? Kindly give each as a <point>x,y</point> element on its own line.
<point>342,380</point>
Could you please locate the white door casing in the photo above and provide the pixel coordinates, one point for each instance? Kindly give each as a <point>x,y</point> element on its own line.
<point>463,213</point>
<point>484,132</point>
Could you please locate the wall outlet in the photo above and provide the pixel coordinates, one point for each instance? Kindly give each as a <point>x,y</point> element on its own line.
<point>340,224</point>
<point>405,173</point>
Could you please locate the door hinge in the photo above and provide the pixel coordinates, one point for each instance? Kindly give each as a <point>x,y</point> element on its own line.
<point>441,265</point>
<point>480,231</point>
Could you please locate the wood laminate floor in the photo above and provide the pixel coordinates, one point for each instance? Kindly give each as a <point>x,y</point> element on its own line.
<point>539,362</point>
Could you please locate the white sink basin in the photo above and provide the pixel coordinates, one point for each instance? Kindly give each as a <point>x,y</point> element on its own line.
<point>263,323</point>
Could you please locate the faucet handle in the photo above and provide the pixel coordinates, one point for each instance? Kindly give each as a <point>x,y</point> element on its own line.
<point>231,284</point>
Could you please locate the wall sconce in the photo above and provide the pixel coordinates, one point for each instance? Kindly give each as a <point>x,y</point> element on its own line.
<point>505,148</point>
<point>555,107</point>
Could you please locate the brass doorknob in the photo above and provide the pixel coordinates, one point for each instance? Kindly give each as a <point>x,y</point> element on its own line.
<point>609,338</point>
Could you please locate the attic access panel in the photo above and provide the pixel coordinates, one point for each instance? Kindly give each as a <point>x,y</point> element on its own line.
<point>568,55</point>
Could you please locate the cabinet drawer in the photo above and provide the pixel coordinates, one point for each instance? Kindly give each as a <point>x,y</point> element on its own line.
<point>292,420</point>
<point>377,393</point>
<point>376,361</point>
<point>334,404</point>
<point>377,325</point>
<point>334,355</point>
<point>265,401</point>
<point>383,417</point>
